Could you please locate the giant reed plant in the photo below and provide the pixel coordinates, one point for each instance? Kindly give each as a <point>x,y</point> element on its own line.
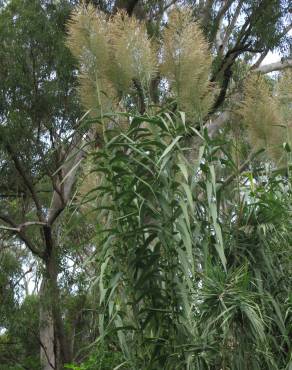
<point>184,248</point>
<point>151,253</point>
<point>186,281</point>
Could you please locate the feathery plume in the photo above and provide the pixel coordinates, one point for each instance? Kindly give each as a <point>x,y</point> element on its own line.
<point>284,96</point>
<point>132,52</point>
<point>187,63</point>
<point>113,53</point>
<point>261,116</point>
<point>88,42</point>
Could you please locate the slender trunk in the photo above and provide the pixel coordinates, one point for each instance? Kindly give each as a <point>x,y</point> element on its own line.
<point>55,348</point>
<point>47,338</point>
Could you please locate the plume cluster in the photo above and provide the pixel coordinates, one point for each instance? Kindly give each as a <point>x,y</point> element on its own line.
<point>262,117</point>
<point>132,52</point>
<point>187,64</point>
<point>112,54</point>
<point>284,98</point>
<point>88,42</point>
<point>116,54</point>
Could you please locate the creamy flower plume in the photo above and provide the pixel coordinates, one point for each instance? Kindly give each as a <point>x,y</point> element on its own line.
<point>262,117</point>
<point>187,63</point>
<point>118,59</point>
<point>112,54</point>
<point>88,42</point>
<point>132,52</point>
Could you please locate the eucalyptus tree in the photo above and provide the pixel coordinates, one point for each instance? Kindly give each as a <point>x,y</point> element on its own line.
<point>39,111</point>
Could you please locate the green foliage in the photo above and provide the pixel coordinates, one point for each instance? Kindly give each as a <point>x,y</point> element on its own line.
<point>185,278</point>
<point>101,358</point>
<point>230,313</point>
<point>38,103</point>
<point>267,15</point>
<point>10,273</point>
<point>20,344</point>
<point>145,239</point>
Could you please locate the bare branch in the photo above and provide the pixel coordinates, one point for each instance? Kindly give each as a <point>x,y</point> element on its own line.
<point>26,180</point>
<point>278,66</point>
<point>232,24</point>
<point>215,125</point>
<point>69,169</point>
<point>9,228</point>
<point>260,59</point>
<point>20,232</point>
<point>218,22</point>
<point>286,30</point>
<point>22,226</point>
<point>218,37</point>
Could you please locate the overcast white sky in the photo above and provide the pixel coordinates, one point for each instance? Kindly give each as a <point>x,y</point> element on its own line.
<point>273,57</point>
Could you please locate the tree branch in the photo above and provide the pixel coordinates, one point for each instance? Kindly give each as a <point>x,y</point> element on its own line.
<point>22,277</point>
<point>278,66</point>
<point>127,5</point>
<point>22,226</point>
<point>231,25</point>
<point>20,232</point>
<point>215,125</point>
<point>286,30</point>
<point>260,59</point>
<point>69,169</point>
<point>218,22</point>
<point>227,74</point>
<point>26,180</point>
<point>141,97</point>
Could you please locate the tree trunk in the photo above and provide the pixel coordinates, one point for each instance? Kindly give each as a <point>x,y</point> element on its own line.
<point>47,338</point>
<point>55,348</point>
